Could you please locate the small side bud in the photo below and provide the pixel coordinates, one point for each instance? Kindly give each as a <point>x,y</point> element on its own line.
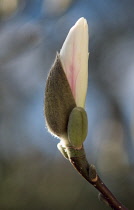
<point>62,150</point>
<point>92,173</point>
<point>77,127</point>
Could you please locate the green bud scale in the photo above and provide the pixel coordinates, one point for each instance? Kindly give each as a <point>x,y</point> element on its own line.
<point>77,127</point>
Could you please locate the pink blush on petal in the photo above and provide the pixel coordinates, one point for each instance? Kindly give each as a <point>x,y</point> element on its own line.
<point>72,80</point>
<point>72,72</point>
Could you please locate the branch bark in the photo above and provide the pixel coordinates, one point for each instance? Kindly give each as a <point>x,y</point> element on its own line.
<point>78,159</point>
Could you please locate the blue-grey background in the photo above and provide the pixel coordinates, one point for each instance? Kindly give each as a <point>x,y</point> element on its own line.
<point>33,174</point>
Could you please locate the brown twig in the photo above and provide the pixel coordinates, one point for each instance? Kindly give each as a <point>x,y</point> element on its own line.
<point>79,161</point>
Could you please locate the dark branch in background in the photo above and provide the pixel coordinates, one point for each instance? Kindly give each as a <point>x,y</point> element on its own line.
<point>80,163</point>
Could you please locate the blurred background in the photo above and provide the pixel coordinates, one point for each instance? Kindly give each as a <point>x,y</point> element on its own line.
<point>33,174</point>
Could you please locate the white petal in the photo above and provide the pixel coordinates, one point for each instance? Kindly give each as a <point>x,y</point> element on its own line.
<point>74,58</point>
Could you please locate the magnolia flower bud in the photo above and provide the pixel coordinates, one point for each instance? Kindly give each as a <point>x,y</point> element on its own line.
<point>67,82</point>
<point>77,127</point>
